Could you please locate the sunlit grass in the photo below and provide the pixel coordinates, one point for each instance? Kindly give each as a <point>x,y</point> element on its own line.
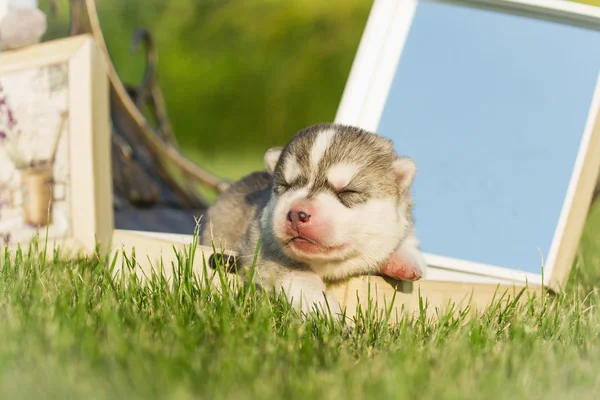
<point>74,329</point>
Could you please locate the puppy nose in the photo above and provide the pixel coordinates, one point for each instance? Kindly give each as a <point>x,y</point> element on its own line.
<point>296,217</point>
<point>302,216</point>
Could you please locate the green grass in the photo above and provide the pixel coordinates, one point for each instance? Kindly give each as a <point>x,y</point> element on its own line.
<point>69,330</point>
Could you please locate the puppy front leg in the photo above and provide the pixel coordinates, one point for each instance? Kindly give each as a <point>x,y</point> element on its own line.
<point>306,291</point>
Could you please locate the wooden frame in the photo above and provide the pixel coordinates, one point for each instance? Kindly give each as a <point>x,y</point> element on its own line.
<point>76,122</point>
<point>366,91</point>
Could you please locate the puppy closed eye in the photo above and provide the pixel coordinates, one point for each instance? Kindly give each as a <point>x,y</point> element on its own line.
<point>281,187</point>
<point>346,191</point>
<point>350,195</point>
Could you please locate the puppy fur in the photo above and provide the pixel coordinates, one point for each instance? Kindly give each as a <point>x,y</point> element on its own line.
<point>333,203</point>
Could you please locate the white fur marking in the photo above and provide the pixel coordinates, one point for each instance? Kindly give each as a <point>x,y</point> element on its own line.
<point>321,144</point>
<point>291,169</point>
<point>341,174</point>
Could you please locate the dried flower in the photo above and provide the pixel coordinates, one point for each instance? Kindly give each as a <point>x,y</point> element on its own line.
<point>9,132</point>
<point>12,122</point>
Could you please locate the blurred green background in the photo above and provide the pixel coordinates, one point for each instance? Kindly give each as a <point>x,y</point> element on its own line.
<point>238,76</point>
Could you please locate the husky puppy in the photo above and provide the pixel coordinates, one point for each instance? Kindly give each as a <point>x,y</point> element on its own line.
<point>333,203</point>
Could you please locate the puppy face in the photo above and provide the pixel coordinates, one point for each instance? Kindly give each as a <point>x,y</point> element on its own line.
<point>338,193</point>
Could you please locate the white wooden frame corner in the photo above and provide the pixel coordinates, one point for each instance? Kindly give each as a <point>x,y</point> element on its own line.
<point>89,154</point>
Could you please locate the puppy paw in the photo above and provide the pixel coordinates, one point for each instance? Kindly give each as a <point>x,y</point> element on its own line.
<point>407,262</point>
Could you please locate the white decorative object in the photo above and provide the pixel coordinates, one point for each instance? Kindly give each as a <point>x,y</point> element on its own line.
<point>22,23</point>
<point>22,4</point>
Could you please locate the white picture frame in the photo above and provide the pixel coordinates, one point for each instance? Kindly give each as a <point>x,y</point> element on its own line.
<point>59,95</point>
<point>366,91</point>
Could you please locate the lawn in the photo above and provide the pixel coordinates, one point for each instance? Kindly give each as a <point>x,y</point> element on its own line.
<point>69,330</point>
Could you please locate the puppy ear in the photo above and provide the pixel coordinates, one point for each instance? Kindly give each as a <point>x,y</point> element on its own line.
<point>271,158</point>
<point>405,170</point>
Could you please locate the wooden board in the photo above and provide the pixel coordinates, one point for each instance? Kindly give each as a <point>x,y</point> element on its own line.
<point>439,297</point>
<point>159,254</point>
